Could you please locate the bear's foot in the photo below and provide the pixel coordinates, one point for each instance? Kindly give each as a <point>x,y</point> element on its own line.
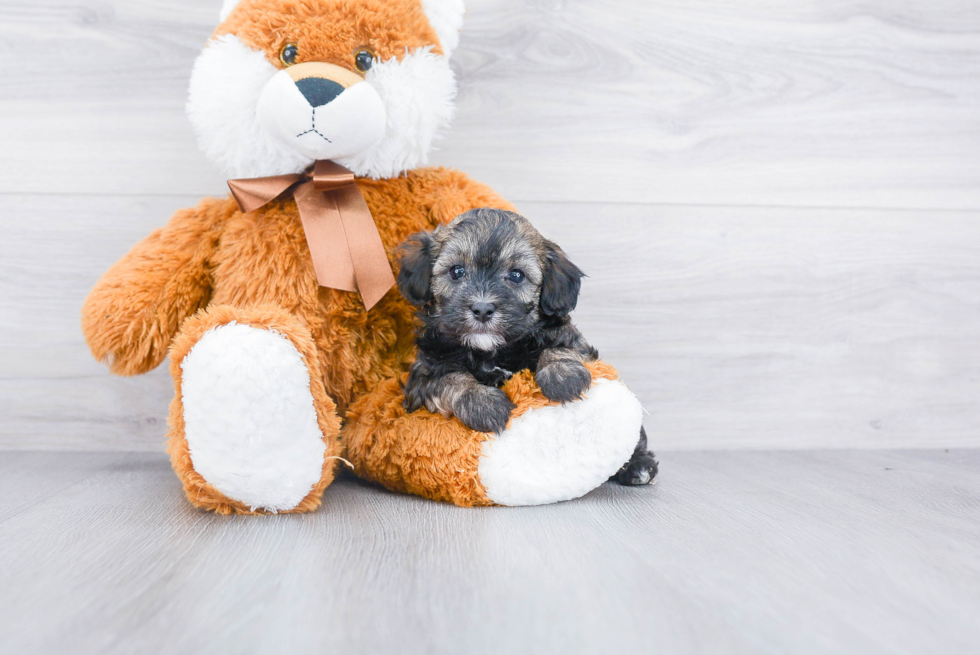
<point>549,452</point>
<point>252,429</point>
<point>560,452</point>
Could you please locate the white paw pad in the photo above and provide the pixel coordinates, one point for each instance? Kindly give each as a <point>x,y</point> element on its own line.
<point>250,421</point>
<point>562,452</point>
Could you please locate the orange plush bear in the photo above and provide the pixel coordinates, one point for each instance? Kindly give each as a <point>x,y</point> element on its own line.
<point>286,339</point>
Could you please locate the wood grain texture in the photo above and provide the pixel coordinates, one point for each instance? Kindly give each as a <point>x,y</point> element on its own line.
<point>847,103</point>
<point>737,328</point>
<point>828,552</point>
<point>777,206</point>
<point>674,148</point>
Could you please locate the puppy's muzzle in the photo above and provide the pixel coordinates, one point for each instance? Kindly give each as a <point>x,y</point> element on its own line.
<point>483,311</point>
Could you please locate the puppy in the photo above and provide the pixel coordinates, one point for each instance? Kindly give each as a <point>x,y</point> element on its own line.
<point>494,298</point>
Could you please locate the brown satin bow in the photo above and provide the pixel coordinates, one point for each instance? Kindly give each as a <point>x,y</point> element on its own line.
<point>344,242</point>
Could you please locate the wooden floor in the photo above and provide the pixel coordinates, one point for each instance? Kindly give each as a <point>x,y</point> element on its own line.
<point>735,552</point>
<point>778,206</point>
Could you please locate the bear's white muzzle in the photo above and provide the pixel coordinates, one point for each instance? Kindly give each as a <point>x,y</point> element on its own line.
<point>322,111</point>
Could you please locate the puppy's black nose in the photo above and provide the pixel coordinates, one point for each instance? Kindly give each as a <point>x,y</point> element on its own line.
<point>318,91</point>
<point>483,311</point>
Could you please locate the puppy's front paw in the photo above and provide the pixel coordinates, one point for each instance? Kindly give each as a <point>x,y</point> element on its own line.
<point>564,381</point>
<point>484,409</point>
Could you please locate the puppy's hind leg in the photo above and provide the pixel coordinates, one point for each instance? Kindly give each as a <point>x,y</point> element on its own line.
<point>642,467</point>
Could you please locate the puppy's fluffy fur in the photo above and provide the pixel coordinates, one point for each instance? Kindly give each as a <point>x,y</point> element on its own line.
<point>494,298</point>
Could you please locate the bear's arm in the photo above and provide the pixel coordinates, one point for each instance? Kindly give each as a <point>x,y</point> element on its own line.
<point>136,308</point>
<point>453,193</point>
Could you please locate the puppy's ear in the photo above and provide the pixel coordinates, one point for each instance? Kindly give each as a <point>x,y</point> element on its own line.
<point>418,254</point>
<point>561,282</point>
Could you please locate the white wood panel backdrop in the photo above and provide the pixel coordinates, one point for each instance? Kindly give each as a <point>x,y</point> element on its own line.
<point>777,203</point>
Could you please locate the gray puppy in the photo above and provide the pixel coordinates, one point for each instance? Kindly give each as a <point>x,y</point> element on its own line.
<point>494,298</point>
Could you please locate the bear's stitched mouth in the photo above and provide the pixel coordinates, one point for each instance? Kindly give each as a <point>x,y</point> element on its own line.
<point>314,130</point>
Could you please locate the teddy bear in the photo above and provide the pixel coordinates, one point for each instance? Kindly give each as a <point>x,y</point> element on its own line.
<point>288,342</point>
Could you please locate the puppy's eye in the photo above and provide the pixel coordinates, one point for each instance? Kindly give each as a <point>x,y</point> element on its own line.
<point>516,276</point>
<point>457,272</point>
<point>288,54</point>
<point>364,59</point>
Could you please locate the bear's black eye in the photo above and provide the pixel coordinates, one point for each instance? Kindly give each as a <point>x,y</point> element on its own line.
<point>288,53</point>
<point>516,276</point>
<point>457,272</point>
<point>364,60</point>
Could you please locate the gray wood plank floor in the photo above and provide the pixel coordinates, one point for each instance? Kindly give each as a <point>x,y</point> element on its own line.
<point>739,552</point>
<point>778,207</point>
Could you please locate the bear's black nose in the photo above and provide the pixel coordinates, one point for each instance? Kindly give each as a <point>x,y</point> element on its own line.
<point>318,91</point>
<point>483,311</point>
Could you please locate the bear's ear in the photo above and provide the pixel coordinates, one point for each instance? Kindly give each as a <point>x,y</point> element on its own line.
<point>227,6</point>
<point>418,254</point>
<point>560,283</point>
<point>446,18</point>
